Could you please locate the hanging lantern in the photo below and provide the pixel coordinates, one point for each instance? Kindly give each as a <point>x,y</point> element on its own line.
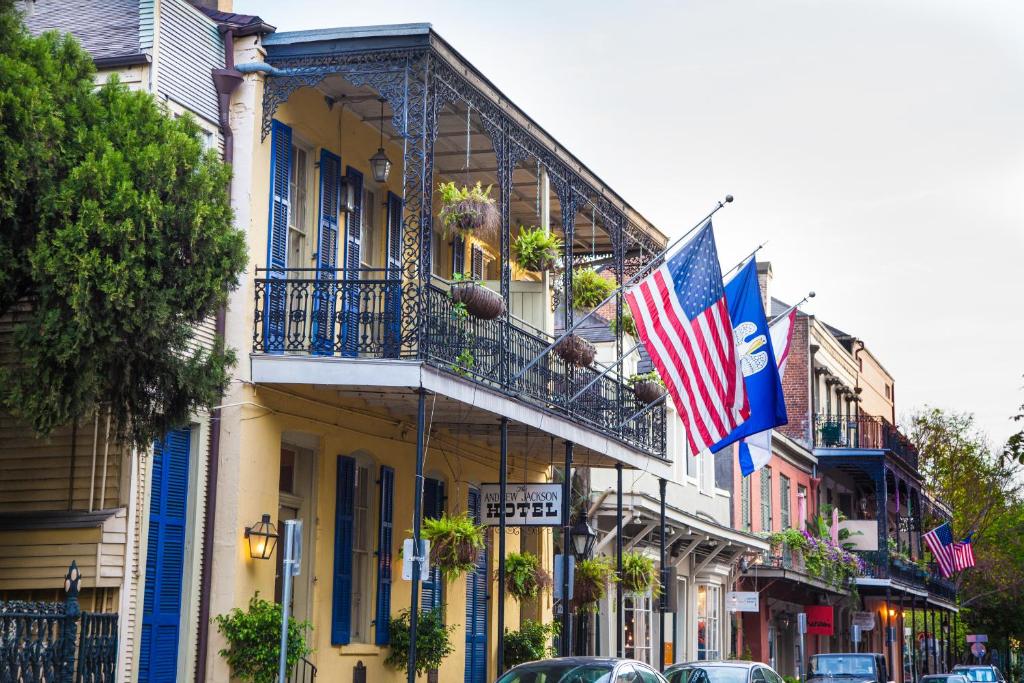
<point>583,538</point>
<point>262,538</point>
<point>379,162</point>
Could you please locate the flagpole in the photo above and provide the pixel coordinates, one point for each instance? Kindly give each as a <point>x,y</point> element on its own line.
<point>744,260</point>
<point>780,316</point>
<point>615,292</point>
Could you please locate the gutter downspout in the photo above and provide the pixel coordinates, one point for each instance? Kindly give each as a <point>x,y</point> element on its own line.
<point>225,80</point>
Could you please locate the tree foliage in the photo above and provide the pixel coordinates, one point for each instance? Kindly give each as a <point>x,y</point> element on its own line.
<point>116,241</point>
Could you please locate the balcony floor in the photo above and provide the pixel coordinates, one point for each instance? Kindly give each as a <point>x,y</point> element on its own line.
<point>461,407</point>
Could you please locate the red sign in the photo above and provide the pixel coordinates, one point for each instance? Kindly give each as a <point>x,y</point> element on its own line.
<point>820,620</point>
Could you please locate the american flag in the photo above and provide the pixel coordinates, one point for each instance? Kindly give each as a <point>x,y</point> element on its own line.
<point>940,542</point>
<point>963,554</point>
<point>683,321</point>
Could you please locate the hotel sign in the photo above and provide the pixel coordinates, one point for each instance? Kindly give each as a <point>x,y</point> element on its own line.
<point>525,504</point>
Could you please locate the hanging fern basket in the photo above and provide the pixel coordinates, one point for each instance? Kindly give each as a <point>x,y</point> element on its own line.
<point>479,301</point>
<point>576,350</point>
<point>648,392</point>
<point>468,210</point>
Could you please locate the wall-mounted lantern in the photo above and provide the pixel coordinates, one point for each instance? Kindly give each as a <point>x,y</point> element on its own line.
<point>262,537</point>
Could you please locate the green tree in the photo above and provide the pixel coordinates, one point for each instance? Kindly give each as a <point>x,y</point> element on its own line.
<point>116,241</point>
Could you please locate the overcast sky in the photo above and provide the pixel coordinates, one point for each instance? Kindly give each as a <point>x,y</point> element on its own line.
<point>877,144</point>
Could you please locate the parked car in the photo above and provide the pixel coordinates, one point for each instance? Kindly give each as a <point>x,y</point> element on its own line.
<point>944,678</point>
<point>852,667</point>
<point>582,670</point>
<point>726,671</point>
<point>980,673</point>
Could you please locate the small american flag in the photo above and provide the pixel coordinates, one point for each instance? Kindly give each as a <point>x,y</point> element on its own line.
<point>963,554</point>
<point>683,321</point>
<point>940,542</point>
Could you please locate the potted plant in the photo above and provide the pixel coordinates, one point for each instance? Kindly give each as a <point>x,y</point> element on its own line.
<point>254,639</point>
<point>467,210</point>
<point>647,386</point>
<point>589,288</point>
<point>529,643</point>
<point>536,249</point>
<point>592,578</point>
<point>524,576</point>
<point>638,574</point>
<point>576,350</point>
<point>433,640</point>
<point>628,326</point>
<point>475,299</point>
<point>455,543</point>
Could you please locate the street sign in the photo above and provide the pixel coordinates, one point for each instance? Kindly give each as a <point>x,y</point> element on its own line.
<point>743,601</point>
<point>525,504</point>
<point>293,529</point>
<point>978,649</point>
<point>865,620</point>
<point>801,623</point>
<point>407,559</point>
<point>977,638</point>
<point>557,582</point>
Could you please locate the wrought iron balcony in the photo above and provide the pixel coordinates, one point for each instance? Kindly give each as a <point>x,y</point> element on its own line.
<point>881,564</point>
<point>360,314</point>
<point>862,431</point>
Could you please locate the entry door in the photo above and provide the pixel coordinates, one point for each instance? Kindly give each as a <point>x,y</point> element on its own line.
<point>476,608</point>
<point>165,558</point>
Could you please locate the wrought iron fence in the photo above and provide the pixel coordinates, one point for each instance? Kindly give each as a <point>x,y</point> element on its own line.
<point>53,642</point>
<point>862,431</point>
<point>359,314</point>
<point>303,672</point>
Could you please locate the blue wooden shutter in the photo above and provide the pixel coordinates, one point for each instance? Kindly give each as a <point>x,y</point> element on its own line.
<point>276,296</point>
<point>353,247</point>
<point>433,508</point>
<point>476,608</point>
<point>165,558</point>
<point>341,599</point>
<point>326,253</point>
<point>385,538</point>
<point>393,301</point>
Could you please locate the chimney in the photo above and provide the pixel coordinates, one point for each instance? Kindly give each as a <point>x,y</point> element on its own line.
<point>764,282</point>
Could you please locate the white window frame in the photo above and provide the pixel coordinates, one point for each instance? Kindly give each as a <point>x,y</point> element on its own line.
<point>299,221</point>
<point>364,566</point>
<point>710,615</point>
<point>638,608</point>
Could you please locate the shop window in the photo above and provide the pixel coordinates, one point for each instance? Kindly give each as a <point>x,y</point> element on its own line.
<point>638,615</point>
<point>708,615</point>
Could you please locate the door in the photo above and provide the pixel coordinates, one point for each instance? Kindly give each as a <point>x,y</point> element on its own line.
<point>393,303</point>
<point>326,254</point>
<point>350,332</point>
<point>165,557</point>
<point>476,608</point>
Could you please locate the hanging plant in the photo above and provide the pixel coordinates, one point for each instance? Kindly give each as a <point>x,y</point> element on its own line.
<point>638,574</point>
<point>455,543</point>
<point>433,640</point>
<point>576,350</point>
<point>628,326</point>
<point>589,288</point>
<point>648,387</point>
<point>468,210</point>
<point>536,249</point>
<point>524,576</point>
<point>591,583</point>
<point>475,299</point>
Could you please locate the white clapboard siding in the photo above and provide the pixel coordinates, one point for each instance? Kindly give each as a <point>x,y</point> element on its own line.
<point>189,48</point>
<point>526,301</point>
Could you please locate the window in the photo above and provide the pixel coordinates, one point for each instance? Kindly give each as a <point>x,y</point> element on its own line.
<point>888,391</point>
<point>692,462</point>
<point>784,501</point>
<point>801,505</point>
<point>371,252</point>
<point>362,554</point>
<point>766,499</point>
<point>745,503</point>
<point>298,232</point>
<point>708,641</point>
<point>638,615</point>
<point>646,675</point>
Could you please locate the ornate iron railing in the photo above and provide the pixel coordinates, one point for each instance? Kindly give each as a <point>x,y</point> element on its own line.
<point>303,672</point>
<point>41,641</point>
<point>862,431</point>
<point>880,564</point>
<point>359,314</point>
<point>97,648</point>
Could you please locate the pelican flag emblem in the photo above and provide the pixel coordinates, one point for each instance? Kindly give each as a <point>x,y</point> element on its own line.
<point>751,347</point>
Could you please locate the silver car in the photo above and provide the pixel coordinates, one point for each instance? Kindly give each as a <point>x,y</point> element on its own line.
<point>726,671</point>
<point>582,670</point>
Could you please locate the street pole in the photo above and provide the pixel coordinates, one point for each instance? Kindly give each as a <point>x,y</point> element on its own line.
<point>620,621</point>
<point>292,529</point>
<point>565,638</point>
<point>502,486</point>
<point>662,483</point>
<point>417,520</point>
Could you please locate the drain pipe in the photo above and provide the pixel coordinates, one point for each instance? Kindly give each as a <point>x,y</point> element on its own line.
<point>225,81</point>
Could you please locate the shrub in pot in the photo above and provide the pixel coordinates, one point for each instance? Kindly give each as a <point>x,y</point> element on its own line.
<point>433,640</point>
<point>536,249</point>
<point>591,582</point>
<point>648,387</point>
<point>529,643</point>
<point>589,288</point>
<point>475,299</point>
<point>576,350</point>
<point>524,575</point>
<point>254,640</point>
<point>455,543</point>
<point>639,574</point>
<point>468,210</point>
